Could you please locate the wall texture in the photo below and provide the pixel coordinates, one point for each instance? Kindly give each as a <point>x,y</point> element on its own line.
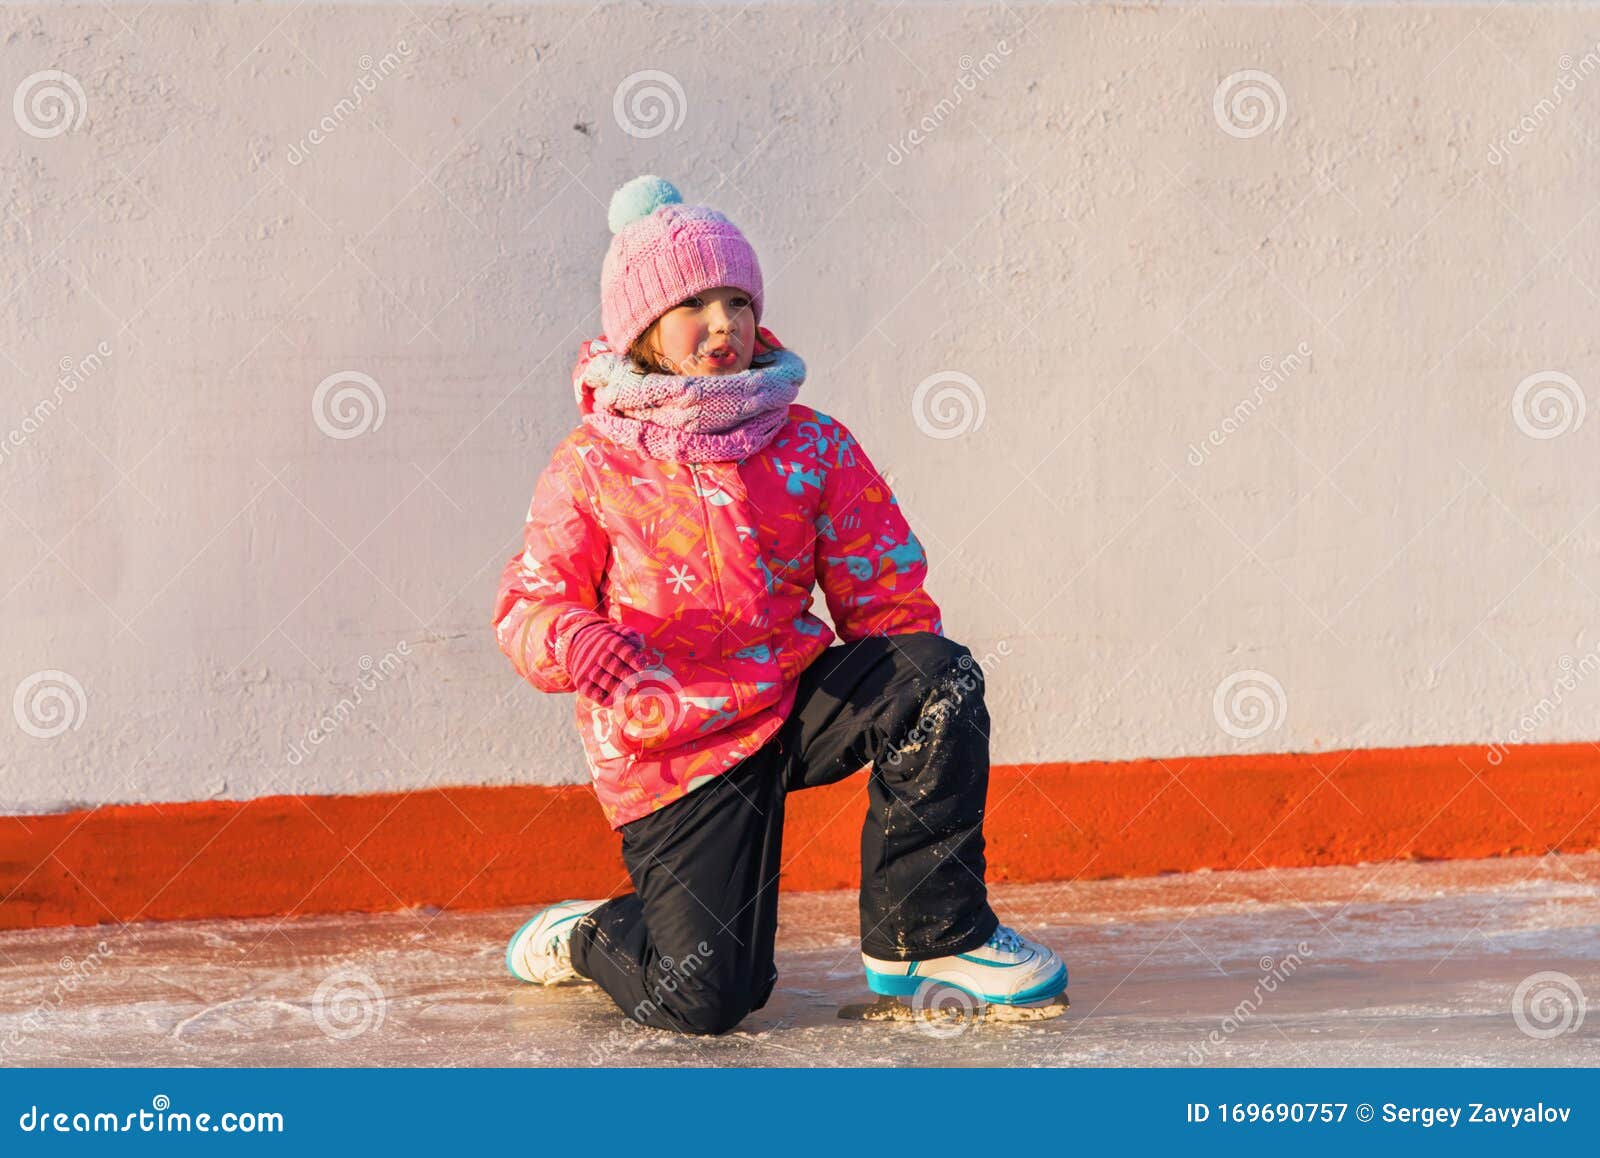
<point>1231,361</point>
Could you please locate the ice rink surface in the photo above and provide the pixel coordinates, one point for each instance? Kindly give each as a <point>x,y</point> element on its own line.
<point>1457,963</point>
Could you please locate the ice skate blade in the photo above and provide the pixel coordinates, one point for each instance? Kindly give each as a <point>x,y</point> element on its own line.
<point>895,1009</point>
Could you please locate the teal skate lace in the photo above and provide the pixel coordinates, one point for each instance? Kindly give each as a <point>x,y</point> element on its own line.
<point>1006,940</point>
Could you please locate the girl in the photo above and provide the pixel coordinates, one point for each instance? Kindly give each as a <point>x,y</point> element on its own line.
<point>670,553</point>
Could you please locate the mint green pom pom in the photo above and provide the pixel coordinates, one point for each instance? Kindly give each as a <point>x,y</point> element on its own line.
<point>639,198</point>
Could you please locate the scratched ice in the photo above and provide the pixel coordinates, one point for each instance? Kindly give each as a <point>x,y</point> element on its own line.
<point>1463,963</point>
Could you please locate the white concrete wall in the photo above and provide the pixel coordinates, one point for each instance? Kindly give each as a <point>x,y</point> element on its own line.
<point>1074,230</point>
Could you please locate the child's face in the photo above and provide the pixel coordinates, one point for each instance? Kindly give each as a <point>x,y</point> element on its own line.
<point>710,333</point>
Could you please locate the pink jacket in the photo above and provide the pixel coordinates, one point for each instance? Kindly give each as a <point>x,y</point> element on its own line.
<point>714,565</point>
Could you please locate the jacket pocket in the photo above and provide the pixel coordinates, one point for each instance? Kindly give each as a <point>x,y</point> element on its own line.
<point>660,712</point>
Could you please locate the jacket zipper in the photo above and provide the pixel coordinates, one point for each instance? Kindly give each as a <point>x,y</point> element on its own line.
<point>711,553</point>
<point>712,563</point>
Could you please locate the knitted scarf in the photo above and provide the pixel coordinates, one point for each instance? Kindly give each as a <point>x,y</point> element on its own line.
<point>687,417</point>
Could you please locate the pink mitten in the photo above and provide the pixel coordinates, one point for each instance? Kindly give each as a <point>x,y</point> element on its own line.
<point>600,656</point>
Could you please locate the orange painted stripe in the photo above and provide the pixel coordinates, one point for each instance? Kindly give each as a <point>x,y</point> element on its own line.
<point>470,848</point>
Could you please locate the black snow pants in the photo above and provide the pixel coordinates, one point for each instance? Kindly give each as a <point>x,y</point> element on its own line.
<point>691,948</point>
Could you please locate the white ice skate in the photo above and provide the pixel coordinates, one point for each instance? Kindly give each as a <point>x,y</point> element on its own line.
<point>1008,969</point>
<point>541,951</point>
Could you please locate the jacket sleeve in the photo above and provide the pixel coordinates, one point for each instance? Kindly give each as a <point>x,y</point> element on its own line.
<point>552,587</point>
<point>869,562</point>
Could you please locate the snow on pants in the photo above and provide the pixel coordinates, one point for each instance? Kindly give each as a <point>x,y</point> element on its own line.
<point>691,947</point>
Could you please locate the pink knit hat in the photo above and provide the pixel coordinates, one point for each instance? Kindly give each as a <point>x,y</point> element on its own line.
<point>664,251</point>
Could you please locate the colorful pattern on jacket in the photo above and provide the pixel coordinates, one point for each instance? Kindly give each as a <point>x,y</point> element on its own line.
<point>714,565</point>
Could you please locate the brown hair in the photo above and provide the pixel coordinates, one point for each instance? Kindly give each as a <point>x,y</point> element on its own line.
<point>647,356</point>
